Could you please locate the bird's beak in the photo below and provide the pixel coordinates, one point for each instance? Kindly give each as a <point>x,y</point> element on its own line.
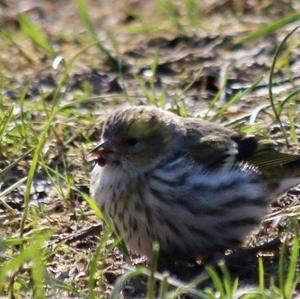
<point>101,154</point>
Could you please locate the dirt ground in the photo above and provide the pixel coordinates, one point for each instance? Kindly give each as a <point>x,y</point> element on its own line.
<point>186,62</point>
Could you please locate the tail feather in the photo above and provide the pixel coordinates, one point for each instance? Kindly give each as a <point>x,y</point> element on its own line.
<point>274,164</point>
<point>281,170</point>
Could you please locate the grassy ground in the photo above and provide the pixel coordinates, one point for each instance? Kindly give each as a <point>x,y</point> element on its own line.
<point>65,65</point>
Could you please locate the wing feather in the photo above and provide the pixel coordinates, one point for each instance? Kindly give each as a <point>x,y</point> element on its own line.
<point>218,147</point>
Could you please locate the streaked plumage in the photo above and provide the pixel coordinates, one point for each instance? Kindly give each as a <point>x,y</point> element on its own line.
<point>193,186</point>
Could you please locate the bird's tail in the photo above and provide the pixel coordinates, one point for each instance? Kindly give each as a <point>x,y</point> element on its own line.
<point>280,169</point>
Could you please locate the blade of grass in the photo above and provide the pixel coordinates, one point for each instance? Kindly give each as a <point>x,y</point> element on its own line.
<point>92,272</point>
<point>187,288</point>
<point>34,165</point>
<point>261,278</point>
<point>229,285</point>
<point>35,34</point>
<point>235,99</point>
<point>217,281</point>
<point>215,99</point>
<point>85,17</point>
<point>38,273</point>
<point>153,78</point>
<point>98,254</point>
<point>292,269</point>
<point>59,284</point>
<point>286,100</point>
<point>4,123</point>
<point>1,88</point>
<point>153,268</point>
<point>11,39</point>
<point>65,77</point>
<point>23,127</point>
<point>107,221</point>
<point>195,78</point>
<point>171,11</point>
<point>8,190</point>
<point>270,28</point>
<point>28,253</point>
<point>282,266</point>
<point>164,285</point>
<point>293,130</point>
<point>93,205</point>
<point>270,85</point>
<point>13,241</point>
<point>121,281</point>
<point>192,9</point>
<point>121,66</point>
<point>181,287</point>
<point>55,176</point>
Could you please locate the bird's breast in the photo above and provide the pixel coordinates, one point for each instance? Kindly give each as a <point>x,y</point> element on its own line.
<point>107,185</point>
<point>123,198</point>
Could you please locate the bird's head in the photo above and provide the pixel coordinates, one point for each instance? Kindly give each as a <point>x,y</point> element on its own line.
<point>137,138</point>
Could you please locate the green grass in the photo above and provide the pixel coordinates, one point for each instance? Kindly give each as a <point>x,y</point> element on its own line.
<point>36,34</point>
<point>45,137</point>
<point>225,287</point>
<point>272,27</point>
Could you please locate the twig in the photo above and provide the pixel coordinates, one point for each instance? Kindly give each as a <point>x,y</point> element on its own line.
<point>78,235</point>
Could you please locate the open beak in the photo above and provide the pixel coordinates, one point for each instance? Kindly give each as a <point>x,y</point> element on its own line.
<point>101,154</point>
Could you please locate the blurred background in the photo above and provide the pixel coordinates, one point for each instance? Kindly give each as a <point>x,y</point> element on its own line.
<point>64,65</point>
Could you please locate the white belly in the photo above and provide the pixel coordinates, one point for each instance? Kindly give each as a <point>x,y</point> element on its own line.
<point>116,195</point>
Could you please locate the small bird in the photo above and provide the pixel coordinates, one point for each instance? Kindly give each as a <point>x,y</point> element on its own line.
<point>194,187</point>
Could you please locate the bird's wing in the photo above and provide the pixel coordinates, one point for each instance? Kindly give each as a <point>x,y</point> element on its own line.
<point>215,147</point>
<point>210,144</point>
<point>214,151</point>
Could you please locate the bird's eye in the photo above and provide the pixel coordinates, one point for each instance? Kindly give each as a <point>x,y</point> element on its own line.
<point>131,141</point>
